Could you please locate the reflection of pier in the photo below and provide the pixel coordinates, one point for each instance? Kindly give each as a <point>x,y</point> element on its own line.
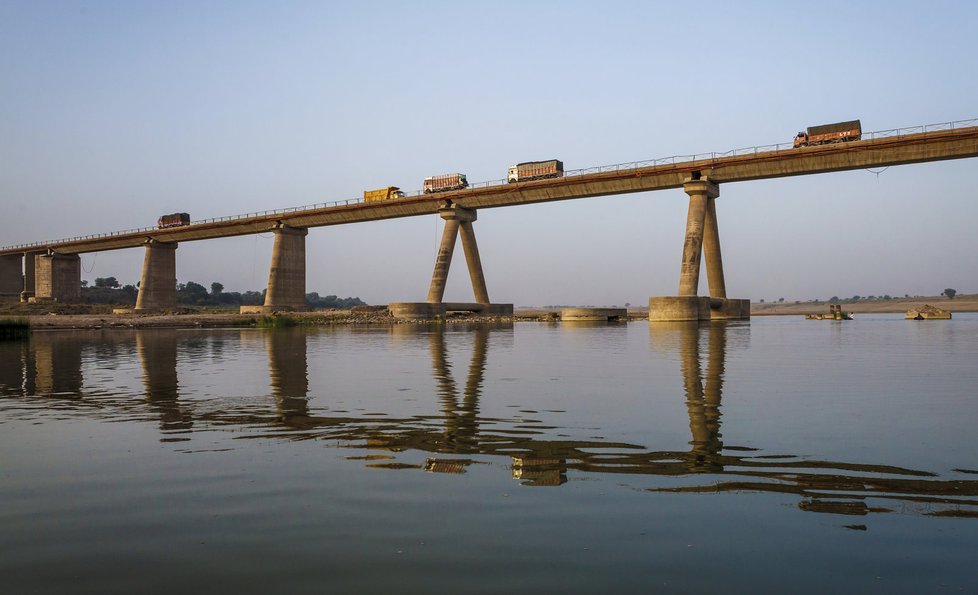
<point>461,415</point>
<point>158,353</point>
<point>52,364</point>
<point>288,372</point>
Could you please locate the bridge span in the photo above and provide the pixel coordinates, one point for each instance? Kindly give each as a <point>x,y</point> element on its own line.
<point>50,270</point>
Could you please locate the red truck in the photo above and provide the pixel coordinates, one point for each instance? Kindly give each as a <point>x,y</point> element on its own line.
<point>173,220</point>
<point>839,132</point>
<point>444,183</point>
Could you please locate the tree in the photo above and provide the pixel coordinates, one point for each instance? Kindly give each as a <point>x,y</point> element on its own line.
<point>950,293</point>
<point>780,300</point>
<point>834,299</point>
<point>106,282</point>
<point>216,288</point>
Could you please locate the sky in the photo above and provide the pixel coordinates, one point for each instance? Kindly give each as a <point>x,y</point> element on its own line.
<point>115,112</point>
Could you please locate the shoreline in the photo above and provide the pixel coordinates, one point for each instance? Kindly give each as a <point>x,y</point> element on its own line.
<point>67,317</point>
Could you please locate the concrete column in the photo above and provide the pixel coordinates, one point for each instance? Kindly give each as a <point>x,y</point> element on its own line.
<point>699,191</point>
<point>711,251</point>
<point>158,285</point>
<point>287,277</point>
<point>444,260</point>
<point>11,276</point>
<point>475,263</point>
<point>58,277</point>
<point>29,276</point>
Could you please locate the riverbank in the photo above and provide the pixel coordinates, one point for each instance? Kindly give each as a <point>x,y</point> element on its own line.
<point>96,316</point>
<point>961,303</point>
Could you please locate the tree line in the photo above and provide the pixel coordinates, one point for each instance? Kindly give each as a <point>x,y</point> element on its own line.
<point>108,290</point>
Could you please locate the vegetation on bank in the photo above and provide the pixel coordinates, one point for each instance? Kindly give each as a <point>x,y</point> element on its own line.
<point>948,293</point>
<point>14,328</point>
<point>108,290</point>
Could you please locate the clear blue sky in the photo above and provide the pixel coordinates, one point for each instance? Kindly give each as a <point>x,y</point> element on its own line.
<point>112,113</point>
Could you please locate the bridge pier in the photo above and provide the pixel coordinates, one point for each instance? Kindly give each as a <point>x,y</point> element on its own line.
<point>11,276</point>
<point>458,221</point>
<point>287,276</point>
<point>702,240</point>
<point>57,277</point>
<point>158,284</point>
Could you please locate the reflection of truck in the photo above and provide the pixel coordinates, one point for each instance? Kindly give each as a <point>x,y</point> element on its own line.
<point>839,132</point>
<point>382,194</point>
<point>445,183</point>
<point>173,220</point>
<point>535,170</point>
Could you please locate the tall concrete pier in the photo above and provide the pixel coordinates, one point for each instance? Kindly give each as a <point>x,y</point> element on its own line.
<point>702,242</point>
<point>158,285</point>
<point>287,275</point>
<point>458,221</point>
<point>11,276</point>
<point>57,277</point>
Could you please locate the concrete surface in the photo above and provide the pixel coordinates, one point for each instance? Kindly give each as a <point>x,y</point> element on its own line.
<point>595,314</point>
<point>158,284</point>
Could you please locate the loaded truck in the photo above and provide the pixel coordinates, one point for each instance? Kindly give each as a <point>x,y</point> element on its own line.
<point>444,183</point>
<point>173,220</point>
<point>382,194</point>
<point>535,170</point>
<point>839,132</point>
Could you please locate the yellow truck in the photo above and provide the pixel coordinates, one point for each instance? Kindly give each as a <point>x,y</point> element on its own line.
<point>382,194</point>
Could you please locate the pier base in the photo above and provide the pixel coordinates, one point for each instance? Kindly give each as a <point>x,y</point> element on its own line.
<point>689,308</point>
<point>593,314</point>
<point>271,309</point>
<point>430,311</point>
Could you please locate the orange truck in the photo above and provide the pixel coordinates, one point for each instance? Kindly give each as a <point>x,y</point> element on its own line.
<point>840,132</point>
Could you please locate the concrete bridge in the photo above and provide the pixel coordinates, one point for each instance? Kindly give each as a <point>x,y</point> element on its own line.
<point>44,271</point>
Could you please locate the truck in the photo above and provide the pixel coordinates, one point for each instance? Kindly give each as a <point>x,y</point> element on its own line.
<point>382,194</point>
<point>173,220</point>
<point>839,132</point>
<point>535,170</point>
<point>445,182</point>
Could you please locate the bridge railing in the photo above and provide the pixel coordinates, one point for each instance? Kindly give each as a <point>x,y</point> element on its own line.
<point>617,167</point>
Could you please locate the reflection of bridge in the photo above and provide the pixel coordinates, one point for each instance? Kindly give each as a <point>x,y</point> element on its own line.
<point>51,365</point>
<point>51,270</point>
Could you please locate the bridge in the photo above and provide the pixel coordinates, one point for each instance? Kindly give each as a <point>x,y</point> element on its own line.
<point>51,270</point>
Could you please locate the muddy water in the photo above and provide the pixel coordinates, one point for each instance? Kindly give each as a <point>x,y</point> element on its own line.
<point>780,454</point>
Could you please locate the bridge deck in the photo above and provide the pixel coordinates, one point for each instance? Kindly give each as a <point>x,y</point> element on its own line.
<point>880,152</point>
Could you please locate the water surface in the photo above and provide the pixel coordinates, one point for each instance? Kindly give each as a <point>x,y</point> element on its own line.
<point>779,454</point>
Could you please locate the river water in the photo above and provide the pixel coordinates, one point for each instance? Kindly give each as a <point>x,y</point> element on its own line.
<point>776,455</point>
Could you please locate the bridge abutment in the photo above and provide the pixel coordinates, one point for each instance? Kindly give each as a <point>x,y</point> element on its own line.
<point>158,284</point>
<point>57,278</point>
<point>11,276</point>
<point>458,221</point>
<point>702,243</point>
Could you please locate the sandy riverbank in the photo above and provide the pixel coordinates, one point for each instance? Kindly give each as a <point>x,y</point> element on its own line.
<point>82,316</point>
<point>961,303</point>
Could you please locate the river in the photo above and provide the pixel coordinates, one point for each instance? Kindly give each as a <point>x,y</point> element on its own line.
<point>775,455</point>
